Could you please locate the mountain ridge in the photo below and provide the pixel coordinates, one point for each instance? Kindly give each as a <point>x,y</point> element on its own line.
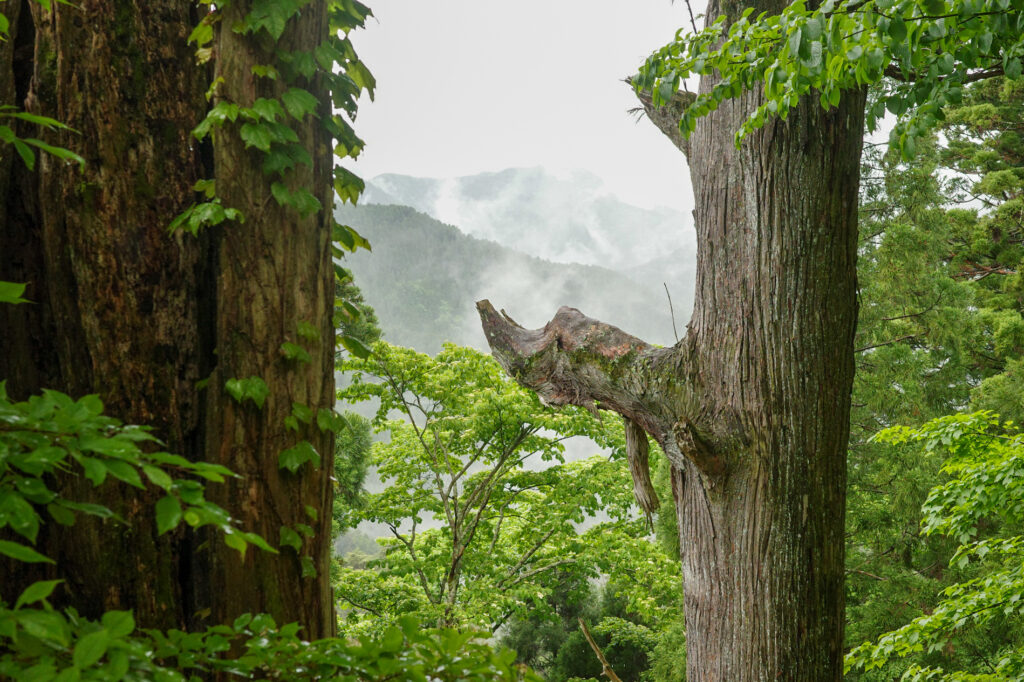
<point>424,276</point>
<point>570,218</point>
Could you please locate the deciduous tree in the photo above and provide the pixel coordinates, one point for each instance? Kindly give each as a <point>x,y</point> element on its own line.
<point>482,508</point>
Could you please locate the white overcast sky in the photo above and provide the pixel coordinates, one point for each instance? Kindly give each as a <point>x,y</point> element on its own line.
<point>465,86</point>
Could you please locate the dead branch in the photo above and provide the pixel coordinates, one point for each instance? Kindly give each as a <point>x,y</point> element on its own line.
<point>577,360</point>
<point>606,669</point>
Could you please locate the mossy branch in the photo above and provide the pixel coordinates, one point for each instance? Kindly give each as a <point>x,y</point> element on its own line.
<point>577,360</point>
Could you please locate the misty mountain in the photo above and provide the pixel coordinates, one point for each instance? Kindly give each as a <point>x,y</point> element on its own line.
<point>676,270</point>
<point>424,276</point>
<point>572,219</point>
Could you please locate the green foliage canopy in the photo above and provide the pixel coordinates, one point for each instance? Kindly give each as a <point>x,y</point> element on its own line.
<point>52,434</point>
<point>919,53</point>
<point>478,532</point>
<point>982,508</point>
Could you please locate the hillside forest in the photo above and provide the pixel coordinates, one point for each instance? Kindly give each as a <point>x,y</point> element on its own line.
<point>259,418</point>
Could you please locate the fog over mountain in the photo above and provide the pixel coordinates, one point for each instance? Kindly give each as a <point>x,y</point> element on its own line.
<point>570,218</point>
<point>423,278</point>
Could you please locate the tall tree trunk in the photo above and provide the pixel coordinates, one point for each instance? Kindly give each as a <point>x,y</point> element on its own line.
<point>274,274</point>
<point>126,310</point>
<point>115,299</point>
<point>752,407</point>
<point>772,331</point>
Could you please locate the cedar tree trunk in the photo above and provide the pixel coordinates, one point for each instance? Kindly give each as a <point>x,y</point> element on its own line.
<point>274,272</point>
<point>752,406</point>
<point>124,309</point>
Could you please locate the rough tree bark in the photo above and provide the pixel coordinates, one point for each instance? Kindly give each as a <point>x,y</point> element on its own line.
<point>115,300</point>
<point>123,309</point>
<point>752,406</point>
<point>274,273</point>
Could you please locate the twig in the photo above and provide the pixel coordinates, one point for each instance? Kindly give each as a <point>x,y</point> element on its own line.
<point>692,22</point>
<point>361,606</point>
<point>887,343</point>
<point>671,311</point>
<point>870,575</point>
<point>607,669</point>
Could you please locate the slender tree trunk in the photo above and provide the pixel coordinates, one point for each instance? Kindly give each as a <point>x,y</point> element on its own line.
<point>126,310</point>
<point>752,407</point>
<point>274,274</point>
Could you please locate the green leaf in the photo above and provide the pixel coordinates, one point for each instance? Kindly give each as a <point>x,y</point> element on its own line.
<point>158,476</point>
<point>207,187</point>
<point>44,121</point>
<point>46,625</point>
<point>222,112</point>
<point>299,102</point>
<point>61,514</point>
<point>22,553</point>
<point>237,542</point>
<point>294,457</point>
<point>355,346</point>
<point>59,152</point>
<point>251,388</point>
<point>90,648</point>
<point>295,352</point>
<point>88,508</point>
<point>329,420</point>
<point>37,591</point>
<point>118,623</point>
<point>347,185</point>
<point>270,15</point>
<point>28,157</point>
<point>875,58</point>
<point>267,109</point>
<point>241,622</point>
<point>300,199</point>
<point>10,292</point>
<point>794,44</point>
<point>308,331</point>
<point>1012,69</point>
<point>168,513</point>
<point>266,71</point>
<point>256,135</point>
<point>201,34</point>
<point>289,538</point>
<point>124,471</point>
<point>302,412</point>
<point>257,540</point>
<point>897,29</point>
